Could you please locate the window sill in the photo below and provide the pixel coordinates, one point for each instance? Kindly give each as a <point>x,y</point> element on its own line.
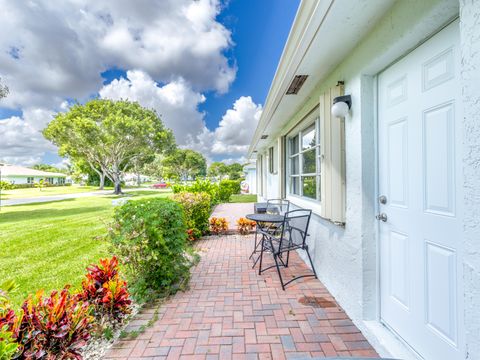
<point>305,203</point>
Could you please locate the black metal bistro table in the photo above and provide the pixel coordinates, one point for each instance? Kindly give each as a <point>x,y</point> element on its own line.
<point>261,220</point>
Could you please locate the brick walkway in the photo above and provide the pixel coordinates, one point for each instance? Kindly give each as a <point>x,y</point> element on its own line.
<point>232,212</point>
<point>232,312</point>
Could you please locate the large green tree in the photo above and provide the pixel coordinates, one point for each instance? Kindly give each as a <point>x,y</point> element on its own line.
<point>184,164</point>
<point>218,169</point>
<point>109,135</point>
<point>50,168</point>
<point>235,171</point>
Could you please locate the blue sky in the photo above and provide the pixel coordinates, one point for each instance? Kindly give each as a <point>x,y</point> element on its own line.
<point>205,66</point>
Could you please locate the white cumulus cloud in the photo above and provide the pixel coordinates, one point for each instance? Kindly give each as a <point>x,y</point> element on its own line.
<point>52,50</point>
<point>176,103</point>
<point>21,140</point>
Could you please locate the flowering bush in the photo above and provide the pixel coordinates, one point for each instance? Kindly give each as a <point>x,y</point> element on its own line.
<point>218,225</point>
<point>196,207</point>
<point>54,327</point>
<point>151,238</point>
<point>245,226</point>
<point>105,290</point>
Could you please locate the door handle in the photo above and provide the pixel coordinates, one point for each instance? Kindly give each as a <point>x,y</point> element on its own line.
<point>382,216</point>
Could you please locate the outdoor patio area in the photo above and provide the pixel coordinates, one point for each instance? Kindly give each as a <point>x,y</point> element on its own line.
<point>232,312</point>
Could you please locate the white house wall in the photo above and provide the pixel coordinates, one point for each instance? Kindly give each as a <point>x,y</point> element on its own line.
<point>346,257</point>
<point>469,34</point>
<point>19,180</point>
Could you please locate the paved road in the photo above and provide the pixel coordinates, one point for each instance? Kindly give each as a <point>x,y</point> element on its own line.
<point>39,199</point>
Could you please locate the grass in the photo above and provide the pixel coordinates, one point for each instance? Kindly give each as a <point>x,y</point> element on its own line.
<point>48,191</point>
<point>48,245</point>
<point>243,198</point>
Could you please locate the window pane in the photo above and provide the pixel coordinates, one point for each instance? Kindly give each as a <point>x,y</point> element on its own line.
<point>309,184</point>
<point>308,138</point>
<point>309,162</point>
<point>294,145</point>
<point>294,165</point>
<point>294,188</point>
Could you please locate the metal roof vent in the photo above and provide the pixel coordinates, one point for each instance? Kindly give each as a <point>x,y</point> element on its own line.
<point>296,84</point>
<point>263,137</point>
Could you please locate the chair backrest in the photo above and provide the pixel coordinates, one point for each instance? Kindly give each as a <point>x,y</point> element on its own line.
<point>295,229</point>
<point>278,206</point>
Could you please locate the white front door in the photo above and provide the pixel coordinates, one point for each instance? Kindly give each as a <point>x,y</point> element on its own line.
<point>419,114</point>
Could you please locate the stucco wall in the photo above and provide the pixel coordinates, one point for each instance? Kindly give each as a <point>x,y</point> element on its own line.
<point>346,258</point>
<point>470,37</point>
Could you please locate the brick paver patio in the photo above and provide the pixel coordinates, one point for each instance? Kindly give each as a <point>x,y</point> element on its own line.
<point>232,312</point>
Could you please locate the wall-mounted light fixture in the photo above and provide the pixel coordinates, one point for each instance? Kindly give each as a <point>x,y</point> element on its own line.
<point>341,106</point>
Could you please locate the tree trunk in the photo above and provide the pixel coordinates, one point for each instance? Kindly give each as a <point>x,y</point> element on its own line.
<point>118,187</point>
<point>102,180</point>
<point>138,180</point>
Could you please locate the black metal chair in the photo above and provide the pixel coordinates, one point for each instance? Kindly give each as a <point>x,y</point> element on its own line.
<point>273,206</point>
<point>277,206</point>
<point>290,235</point>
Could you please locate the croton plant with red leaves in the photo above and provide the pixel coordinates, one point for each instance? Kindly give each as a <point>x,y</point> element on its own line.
<point>54,327</point>
<point>105,290</point>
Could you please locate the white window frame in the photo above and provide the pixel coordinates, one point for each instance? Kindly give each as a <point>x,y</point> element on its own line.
<point>30,180</point>
<point>299,198</point>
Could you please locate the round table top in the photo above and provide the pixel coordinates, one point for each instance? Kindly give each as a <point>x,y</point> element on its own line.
<point>271,218</point>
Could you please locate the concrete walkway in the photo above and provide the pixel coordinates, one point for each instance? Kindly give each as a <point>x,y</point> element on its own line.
<point>231,312</point>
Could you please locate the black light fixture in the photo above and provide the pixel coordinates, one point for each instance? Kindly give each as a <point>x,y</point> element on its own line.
<point>341,105</point>
<point>263,137</point>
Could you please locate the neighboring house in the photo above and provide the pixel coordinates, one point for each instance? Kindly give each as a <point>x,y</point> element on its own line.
<point>21,175</point>
<point>132,179</point>
<point>394,184</point>
<point>250,171</point>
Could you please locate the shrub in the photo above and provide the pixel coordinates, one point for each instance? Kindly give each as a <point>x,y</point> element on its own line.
<point>218,225</point>
<point>150,236</point>
<point>54,327</point>
<point>245,226</point>
<point>8,346</point>
<point>5,185</point>
<point>8,320</point>
<point>198,186</point>
<point>105,290</point>
<point>232,185</point>
<point>197,208</point>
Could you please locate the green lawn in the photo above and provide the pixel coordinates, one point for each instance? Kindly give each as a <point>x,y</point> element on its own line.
<point>243,198</point>
<point>47,245</point>
<point>48,191</point>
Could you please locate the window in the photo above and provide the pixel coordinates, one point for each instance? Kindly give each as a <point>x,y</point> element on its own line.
<point>50,180</point>
<point>304,168</point>
<point>271,161</point>
<point>61,181</point>
<point>29,180</point>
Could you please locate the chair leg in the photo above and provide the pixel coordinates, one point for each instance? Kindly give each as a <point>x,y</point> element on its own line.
<point>256,245</point>
<point>278,270</point>
<point>288,258</point>
<point>261,255</point>
<point>311,262</point>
